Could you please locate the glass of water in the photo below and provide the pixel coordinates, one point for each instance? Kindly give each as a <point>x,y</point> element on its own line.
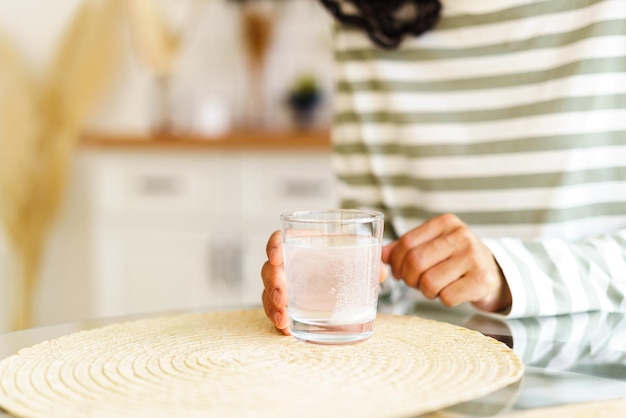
<point>332,268</point>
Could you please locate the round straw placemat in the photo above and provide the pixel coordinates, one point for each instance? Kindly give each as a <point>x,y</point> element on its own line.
<point>235,364</point>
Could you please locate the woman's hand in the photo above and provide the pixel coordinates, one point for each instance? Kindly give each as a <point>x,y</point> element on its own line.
<point>274,288</point>
<point>443,258</point>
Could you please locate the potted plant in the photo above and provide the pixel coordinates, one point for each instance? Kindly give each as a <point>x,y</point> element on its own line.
<point>303,99</point>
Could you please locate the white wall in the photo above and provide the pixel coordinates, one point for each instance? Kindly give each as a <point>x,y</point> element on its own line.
<point>211,66</point>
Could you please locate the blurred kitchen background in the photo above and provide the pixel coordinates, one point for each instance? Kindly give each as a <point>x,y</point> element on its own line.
<point>147,148</point>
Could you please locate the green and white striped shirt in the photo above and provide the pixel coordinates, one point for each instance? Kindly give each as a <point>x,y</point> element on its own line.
<point>512,115</point>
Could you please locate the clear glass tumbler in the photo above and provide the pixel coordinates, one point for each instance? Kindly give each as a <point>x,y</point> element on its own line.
<point>332,268</point>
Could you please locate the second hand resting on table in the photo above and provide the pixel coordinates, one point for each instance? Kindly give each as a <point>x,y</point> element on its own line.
<point>441,258</point>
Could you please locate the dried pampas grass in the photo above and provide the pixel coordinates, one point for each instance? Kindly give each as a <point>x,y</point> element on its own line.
<point>158,45</point>
<point>40,123</point>
<point>258,28</point>
<point>155,42</point>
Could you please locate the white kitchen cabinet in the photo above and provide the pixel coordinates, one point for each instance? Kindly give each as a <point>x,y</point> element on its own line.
<point>140,271</point>
<point>279,182</point>
<point>182,229</point>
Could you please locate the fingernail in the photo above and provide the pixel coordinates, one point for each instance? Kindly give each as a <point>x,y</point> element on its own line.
<point>276,296</point>
<point>278,317</point>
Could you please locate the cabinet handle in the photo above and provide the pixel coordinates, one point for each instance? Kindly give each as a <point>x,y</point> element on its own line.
<point>303,188</point>
<point>160,185</point>
<point>226,265</point>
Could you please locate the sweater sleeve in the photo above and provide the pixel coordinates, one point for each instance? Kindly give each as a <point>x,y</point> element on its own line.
<point>552,276</point>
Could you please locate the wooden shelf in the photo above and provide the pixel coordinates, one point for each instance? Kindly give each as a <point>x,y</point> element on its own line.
<point>237,140</point>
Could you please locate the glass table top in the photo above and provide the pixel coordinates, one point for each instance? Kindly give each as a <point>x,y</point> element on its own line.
<point>568,359</point>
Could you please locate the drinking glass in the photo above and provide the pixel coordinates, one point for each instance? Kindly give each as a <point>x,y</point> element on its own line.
<point>332,268</point>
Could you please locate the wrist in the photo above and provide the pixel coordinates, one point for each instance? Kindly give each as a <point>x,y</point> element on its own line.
<point>500,300</point>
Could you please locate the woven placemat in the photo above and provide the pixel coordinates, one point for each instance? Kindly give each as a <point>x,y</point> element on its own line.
<point>235,364</point>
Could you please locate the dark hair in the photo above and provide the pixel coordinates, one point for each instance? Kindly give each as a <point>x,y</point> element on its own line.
<point>386,22</point>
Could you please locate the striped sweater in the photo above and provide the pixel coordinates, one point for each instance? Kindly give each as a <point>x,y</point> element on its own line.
<point>512,115</point>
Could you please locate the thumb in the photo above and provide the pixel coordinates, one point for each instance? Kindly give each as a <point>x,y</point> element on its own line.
<point>387,250</point>
<point>384,272</point>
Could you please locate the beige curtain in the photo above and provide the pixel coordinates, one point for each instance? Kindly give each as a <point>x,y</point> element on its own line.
<point>40,124</point>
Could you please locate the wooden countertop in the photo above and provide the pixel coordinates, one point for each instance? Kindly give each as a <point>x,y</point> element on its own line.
<point>239,140</point>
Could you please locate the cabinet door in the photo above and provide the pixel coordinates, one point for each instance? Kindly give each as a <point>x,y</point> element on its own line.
<point>276,183</point>
<point>272,184</point>
<point>159,187</point>
<point>139,271</point>
<point>253,251</point>
<point>180,232</point>
<point>153,248</point>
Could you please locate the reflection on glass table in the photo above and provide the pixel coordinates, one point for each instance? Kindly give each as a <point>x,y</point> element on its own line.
<point>568,359</point>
